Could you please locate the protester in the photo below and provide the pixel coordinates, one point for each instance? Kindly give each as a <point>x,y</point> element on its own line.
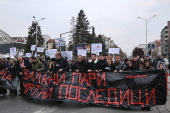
<point>109,66</point>
<point>94,65</point>
<point>139,64</point>
<point>119,65</point>
<point>51,65</point>
<point>7,62</point>
<point>2,67</point>
<point>47,63</point>
<point>24,64</point>
<point>60,64</point>
<point>102,61</point>
<point>147,65</point>
<point>166,64</point>
<point>80,65</point>
<point>158,59</point>
<point>37,65</point>
<point>131,66</point>
<point>14,70</point>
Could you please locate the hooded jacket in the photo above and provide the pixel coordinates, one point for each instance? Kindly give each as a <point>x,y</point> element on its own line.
<point>38,65</point>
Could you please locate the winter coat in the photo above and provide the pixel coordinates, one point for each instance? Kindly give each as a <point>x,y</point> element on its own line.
<point>81,66</point>
<point>155,62</point>
<point>103,63</point>
<point>109,68</point>
<point>94,65</point>
<point>38,65</point>
<point>119,65</point>
<point>27,63</point>
<point>14,70</point>
<point>60,64</point>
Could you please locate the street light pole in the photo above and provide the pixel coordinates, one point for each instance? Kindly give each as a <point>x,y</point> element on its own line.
<point>146,29</point>
<point>62,34</point>
<point>36,28</point>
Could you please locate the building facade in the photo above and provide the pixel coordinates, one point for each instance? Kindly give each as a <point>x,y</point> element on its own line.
<point>46,38</point>
<point>165,40</point>
<point>49,43</point>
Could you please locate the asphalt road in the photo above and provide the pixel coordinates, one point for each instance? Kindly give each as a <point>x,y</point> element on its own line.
<point>17,104</point>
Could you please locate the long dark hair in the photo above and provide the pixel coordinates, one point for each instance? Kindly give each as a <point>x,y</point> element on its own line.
<point>133,64</point>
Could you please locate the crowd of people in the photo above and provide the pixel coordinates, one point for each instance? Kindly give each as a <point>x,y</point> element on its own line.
<point>79,64</point>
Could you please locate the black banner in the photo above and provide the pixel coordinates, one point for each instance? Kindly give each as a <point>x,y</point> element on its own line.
<point>124,89</point>
<point>7,81</point>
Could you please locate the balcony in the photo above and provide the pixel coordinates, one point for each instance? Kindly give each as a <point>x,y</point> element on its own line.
<point>166,38</point>
<point>165,34</point>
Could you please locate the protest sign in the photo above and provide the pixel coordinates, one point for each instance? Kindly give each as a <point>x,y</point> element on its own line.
<point>96,47</point>
<point>82,52</point>
<point>21,54</point>
<point>114,50</point>
<point>68,54</point>
<point>125,89</point>
<point>40,49</point>
<point>33,47</point>
<point>28,55</point>
<point>13,51</point>
<point>106,89</point>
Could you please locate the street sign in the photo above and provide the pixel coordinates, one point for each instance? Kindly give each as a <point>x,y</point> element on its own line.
<point>59,39</point>
<point>151,46</point>
<point>62,43</point>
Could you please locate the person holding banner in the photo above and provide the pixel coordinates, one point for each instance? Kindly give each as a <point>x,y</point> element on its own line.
<point>131,65</point>
<point>24,64</point>
<point>2,67</point>
<point>80,65</point>
<point>147,65</point>
<point>103,61</point>
<point>119,65</point>
<point>14,70</point>
<point>94,65</point>
<point>37,65</point>
<point>60,64</point>
<point>109,66</point>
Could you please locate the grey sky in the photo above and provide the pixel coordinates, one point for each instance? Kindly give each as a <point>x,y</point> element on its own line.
<point>113,18</point>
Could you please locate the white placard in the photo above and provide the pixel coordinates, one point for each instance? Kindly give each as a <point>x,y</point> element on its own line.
<point>51,53</point>
<point>21,54</point>
<point>28,55</point>
<point>40,49</point>
<point>82,52</point>
<point>13,51</point>
<point>68,54</point>
<point>33,47</point>
<point>96,47</point>
<point>114,50</point>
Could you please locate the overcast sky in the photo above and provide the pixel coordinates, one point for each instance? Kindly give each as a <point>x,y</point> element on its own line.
<point>113,18</point>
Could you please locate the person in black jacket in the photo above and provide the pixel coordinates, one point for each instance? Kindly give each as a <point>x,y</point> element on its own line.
<point>131,65</point>
<point>60,64</point>
<point>14,70</point>
<point>24,64</point>
<point>94,65</point>
<point>103,61</point>
<point>109,66</point>
<point>80,65</point>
